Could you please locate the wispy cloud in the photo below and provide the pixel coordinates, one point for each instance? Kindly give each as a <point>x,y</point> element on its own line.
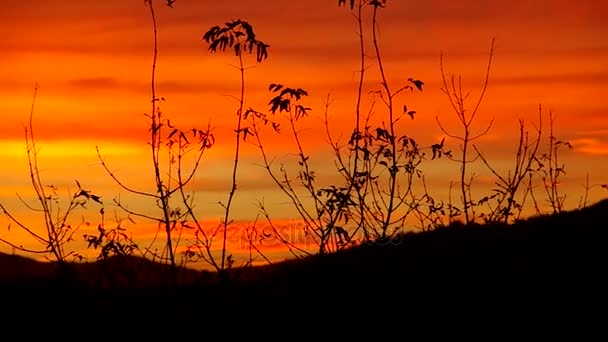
<point>94,83</point>
<point>591,146</point>
<point>599,78</point>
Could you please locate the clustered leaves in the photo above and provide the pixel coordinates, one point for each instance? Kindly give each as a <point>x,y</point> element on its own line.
<point>283,100</point>
<point>114,242</point>
<point>237,35</point>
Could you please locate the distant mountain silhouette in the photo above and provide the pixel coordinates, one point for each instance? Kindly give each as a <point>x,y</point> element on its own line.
<point>114,272</point>
<point>540,274</point>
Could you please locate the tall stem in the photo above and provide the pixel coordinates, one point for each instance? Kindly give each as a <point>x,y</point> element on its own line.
<point>155,145</point>
<point>463,172</point>
<point>236,159</point>
<point>389,95</point>
<point>54,242</point>
<point>358,119</point>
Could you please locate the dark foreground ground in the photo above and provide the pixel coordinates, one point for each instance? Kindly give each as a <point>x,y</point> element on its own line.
<point>536,280</point>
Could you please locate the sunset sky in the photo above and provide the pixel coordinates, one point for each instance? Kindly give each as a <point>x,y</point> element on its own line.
<point>92,61</point>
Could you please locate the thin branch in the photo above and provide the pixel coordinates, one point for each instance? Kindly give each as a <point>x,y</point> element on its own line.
<point>119,182</point>
<point>485,83</point>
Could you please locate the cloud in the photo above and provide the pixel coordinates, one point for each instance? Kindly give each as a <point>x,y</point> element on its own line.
<point>572,79</point>
<point>105,83</point>
<point>95,83</point>
<point>590,146</point>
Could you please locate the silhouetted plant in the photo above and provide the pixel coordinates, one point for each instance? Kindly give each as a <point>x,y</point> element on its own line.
<point>358,14</point>
<point>166,139</point>
<point>56,215</point>
<point>238,36</point>
<point>387,152</point>
<point>275,233</point>
<point>550,170</point>
<point>381,165</point>
<point>378,165</point>
<point>113,242</point>
<point>115,246</point>
<point>457,98</point>
<point>254,236</point>
<point>584,200</point>
<point>504,203</point>
<point>329,210</point>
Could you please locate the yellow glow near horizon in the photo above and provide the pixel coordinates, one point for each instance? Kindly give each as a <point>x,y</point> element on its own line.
<point>71,148</point>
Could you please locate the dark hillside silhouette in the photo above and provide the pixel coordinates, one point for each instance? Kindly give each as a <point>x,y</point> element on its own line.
<point>471,280</point>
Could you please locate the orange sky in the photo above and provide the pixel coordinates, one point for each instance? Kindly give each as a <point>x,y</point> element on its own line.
<point>92,60</point>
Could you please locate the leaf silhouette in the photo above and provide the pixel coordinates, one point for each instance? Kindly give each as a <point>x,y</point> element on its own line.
<point>417,83</point>
<point>351,3</point>
<point>96,198</point>
<point>276,127</point>
<point>437,149</point>
<point>377,3</point>
<point>237,35</point>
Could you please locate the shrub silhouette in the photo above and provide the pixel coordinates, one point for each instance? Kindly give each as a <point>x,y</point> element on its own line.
<point>238,36</point>
<point>58,229</point>
<point>170,191</point>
